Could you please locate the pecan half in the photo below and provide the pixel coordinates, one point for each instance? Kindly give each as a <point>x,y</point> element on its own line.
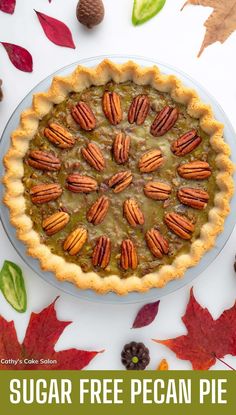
<point>150,161</point>
<point>59,136</point>
<point>81,184</point>
<point>120,181</point>
<point>195,170</point>
<point>97,212</point>
<point>195,198</point>
<point>84,116</point>
<point>133,213</point>
<point>129,258</point>
<point>44,193</point>
<point>102,252</point>
<point>164,121</point>
<point>157,190</point>
<point>112,107</point>
<point>43,160</point>
<point>139,109</point>
<point>186,143</point>
<point>93,155</point>
<point>179,224</point>
<point>121,147</point>
<point>75,241</point>
<point>157,244</point>
<point>55,223</point>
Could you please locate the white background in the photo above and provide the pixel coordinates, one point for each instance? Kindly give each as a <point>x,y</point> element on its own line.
<point>173,37</point>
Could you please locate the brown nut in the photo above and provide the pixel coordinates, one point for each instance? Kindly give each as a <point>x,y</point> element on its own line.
<point>59,136</point>
<point>164,121</point>
<point>102,252</point>
<point>133,213</point>
<point>55,223</point>
<point>75,241</point>
<point>112,107</point>
<point>93,155</point>
<point>186,143</point>
<point>129,258</point>
<point>157,190</point>
<point>121,147</point>
<point>43,160</point>
<point>139,109</point>
<point>97,212</point>
<point>150,161</point>
<point>157,244</point>
<point>45,192</point>
<point>195,198</point>
<point>84,116</point>
<point>194,170</point>
<point>120,181</point>
<point>81,184</point>
<point>179,224</point>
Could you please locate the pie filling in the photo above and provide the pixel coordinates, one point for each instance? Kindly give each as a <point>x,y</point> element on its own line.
<point>131,212</point>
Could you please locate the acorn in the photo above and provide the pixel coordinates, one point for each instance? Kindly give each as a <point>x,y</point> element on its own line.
<point>90,12</point>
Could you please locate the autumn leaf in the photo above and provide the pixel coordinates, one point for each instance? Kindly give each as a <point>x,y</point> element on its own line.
<point>55,30</point>
<point>19,57</point>
<point>7,6</point>
<point>1,93</point>
<point>43,332</point>
<point>220,24</point>
<point>144,10</point>
<point>207,339</point>
<point>146,315</point>
<point>163,365</point>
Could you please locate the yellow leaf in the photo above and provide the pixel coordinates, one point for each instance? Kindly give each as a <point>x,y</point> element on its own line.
<point>220,24</point>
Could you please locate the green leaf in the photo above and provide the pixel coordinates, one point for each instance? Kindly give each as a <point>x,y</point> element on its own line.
<point>144,10</point>
<point>12,286</point>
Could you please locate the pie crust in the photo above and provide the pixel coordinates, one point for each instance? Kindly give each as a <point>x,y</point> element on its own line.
<point>83,78</point>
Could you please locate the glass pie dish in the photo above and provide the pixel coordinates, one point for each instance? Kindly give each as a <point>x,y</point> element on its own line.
<point>152,293</point>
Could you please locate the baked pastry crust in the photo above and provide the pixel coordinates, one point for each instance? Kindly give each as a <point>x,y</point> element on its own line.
<point>83,78</point>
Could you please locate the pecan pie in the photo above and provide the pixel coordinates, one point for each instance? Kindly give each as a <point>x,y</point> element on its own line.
<point>118,178</point>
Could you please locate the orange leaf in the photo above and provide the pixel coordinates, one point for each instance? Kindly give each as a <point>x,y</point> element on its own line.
<point>220,24</point>
<point>163,365</point>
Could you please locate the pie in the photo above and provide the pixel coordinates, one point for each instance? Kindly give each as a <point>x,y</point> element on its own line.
<point>118,178</point>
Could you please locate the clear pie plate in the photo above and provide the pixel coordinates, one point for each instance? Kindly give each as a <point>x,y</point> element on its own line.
<point>154,293</point>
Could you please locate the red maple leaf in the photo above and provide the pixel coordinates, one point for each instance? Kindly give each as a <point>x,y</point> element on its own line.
<point>43,331</point>
<point>207,339</point>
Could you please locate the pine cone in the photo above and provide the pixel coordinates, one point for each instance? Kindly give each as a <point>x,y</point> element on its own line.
<point>135,356</point>
<point>1,93</point>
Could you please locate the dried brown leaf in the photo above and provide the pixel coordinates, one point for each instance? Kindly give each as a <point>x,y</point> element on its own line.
<point>220,24</point>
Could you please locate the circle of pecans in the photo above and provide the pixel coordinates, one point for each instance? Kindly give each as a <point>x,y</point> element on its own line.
<point>150,161</point>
